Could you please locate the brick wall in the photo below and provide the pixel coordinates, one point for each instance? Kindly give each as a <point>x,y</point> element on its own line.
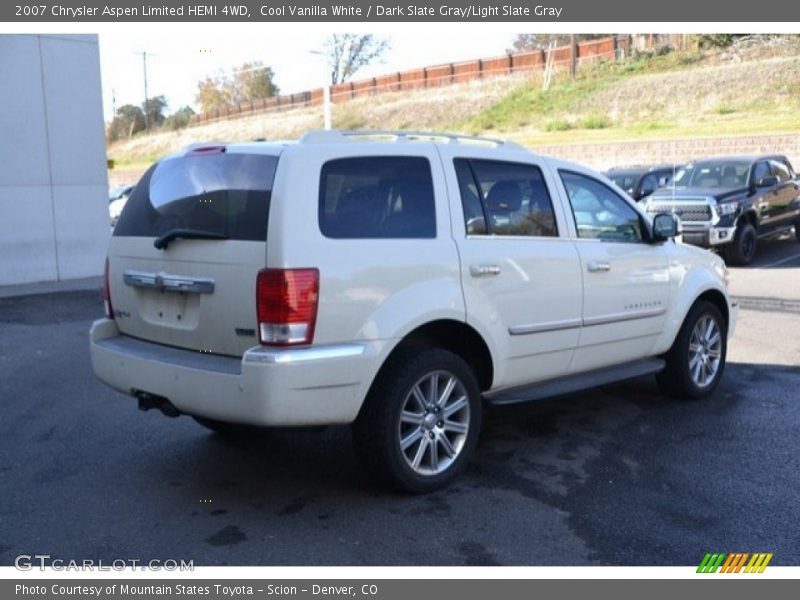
<point>602,156</point>
<point>606,155</point>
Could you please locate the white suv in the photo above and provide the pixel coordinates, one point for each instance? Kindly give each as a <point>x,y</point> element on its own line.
<point>395,281</point>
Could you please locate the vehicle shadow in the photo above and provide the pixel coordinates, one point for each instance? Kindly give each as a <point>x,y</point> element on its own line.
<point>552,440</point>
<point>775,253</point>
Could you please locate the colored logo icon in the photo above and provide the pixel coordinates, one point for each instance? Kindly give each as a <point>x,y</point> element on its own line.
<point>735,562</point>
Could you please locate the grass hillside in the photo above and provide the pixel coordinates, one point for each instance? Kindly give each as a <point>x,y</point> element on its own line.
<point>748,89</point>
<point>677,95</point>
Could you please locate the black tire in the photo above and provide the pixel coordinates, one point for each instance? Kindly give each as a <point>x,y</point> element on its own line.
<point>378,430</point>
<point>676,378</point>
<point>797,231</point>
<point>742,250</point>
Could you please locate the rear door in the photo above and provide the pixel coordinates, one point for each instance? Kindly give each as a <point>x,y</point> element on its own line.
<point>521,279</point>
<point>193,293</point>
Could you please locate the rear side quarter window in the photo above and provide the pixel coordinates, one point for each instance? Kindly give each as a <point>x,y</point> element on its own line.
<point>377,197</point>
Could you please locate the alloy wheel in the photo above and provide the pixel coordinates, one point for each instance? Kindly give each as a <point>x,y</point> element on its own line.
<point>705,351</point>
<point>434,423</point>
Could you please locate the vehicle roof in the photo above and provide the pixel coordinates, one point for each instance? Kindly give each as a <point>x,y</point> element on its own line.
<point>736,158</point>
<point>372,137</point>
<point>642,169</point>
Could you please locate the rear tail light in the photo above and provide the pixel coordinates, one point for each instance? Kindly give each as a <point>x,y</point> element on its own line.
<point>287,306</point>
<point>107,293</point>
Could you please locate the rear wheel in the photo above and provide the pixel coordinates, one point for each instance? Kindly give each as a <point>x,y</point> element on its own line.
<point>797,230</point>
<point>743,248</point>
<point>697,358</point>
<point>419,425</point>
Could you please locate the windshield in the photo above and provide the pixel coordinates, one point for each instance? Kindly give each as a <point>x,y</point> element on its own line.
<point>226,194</point>
<point>720,174</point>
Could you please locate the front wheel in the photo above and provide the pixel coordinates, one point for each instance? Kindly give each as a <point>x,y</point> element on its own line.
<point>419,425</point>
<point>742,249</point>
<point>697,358</point>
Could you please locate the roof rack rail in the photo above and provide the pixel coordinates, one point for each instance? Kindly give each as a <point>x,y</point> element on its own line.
<point>209,143</point>
<point>326,136</point>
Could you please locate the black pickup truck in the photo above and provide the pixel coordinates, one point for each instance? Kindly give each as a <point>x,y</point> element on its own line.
<point>730,203</point>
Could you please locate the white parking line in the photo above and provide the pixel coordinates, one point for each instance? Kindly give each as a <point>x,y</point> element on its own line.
<point>778,262</point>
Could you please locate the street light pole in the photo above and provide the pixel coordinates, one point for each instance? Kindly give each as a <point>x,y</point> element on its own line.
<point>144,64</point>
<point>326,93</point>
<point>144,67</point>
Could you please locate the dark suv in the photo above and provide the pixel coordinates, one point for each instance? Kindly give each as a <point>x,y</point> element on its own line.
<point>729,203</point>
<point>639,181</point>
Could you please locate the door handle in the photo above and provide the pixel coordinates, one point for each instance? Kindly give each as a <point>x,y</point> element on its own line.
<point>484,270</point>
<point>596,266</point>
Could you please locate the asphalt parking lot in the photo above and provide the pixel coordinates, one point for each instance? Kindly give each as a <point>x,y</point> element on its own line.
<point>619,475</point>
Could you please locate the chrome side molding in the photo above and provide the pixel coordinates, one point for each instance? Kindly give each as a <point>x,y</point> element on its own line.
<point>546,326</point>
<point>625,316</point>
<point>168,283</point>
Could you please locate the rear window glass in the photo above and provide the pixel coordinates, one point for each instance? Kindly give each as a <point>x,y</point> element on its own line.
<point>225,193</point>
<point>377,197</point>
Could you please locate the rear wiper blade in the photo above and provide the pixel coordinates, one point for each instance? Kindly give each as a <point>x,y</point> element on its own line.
<point>187,234</point>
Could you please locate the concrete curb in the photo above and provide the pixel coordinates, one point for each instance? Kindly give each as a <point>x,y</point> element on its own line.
<point>51,287</point>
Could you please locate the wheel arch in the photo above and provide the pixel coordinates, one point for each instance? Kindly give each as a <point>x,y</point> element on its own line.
<point>455,336</point>
<point>716,298</point>
<point>712,295</point>
<point>749,216</point>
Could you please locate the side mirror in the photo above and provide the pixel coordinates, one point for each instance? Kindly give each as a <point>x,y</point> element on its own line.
<point>645,192</point>
<point>768,181</point>
<point>665,226</point>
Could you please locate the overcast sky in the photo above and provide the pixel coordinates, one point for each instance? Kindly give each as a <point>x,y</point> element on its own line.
<point>176,62</point>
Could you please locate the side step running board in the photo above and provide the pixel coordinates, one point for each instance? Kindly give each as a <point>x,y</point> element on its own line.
<point>576,383</point>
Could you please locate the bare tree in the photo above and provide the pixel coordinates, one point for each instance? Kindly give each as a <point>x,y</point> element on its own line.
<point>348,52</point>
<point>250,82</point>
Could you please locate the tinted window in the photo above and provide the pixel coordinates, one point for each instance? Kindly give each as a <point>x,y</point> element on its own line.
<point>655,180</point>
<point>626,182</point>
<point>722,174</point>
<point>780,170</point>
<point>474,217</point>
<point>760,171</point>
<point>512,196</point>
<point>377,197</point>
<point>599,212</point>
<point>223,193</point>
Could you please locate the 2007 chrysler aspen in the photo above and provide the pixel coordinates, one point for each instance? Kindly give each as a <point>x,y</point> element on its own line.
<point>395,281</point>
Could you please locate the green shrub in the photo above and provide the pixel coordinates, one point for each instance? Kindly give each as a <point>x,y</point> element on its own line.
<point>724,109</point>
<point>558,125</point>
<point>595,121</point>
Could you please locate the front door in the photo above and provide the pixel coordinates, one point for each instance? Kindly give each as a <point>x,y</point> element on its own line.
<point>625,278</point>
